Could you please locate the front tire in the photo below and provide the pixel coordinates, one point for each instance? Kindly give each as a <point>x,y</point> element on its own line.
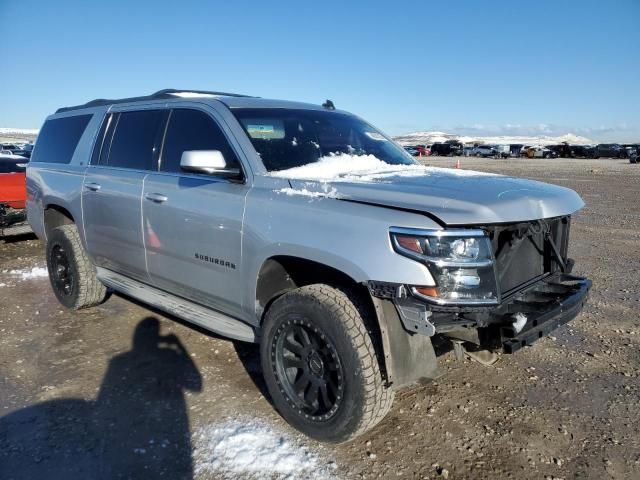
<point>320,365</point>
<point>71,273</point>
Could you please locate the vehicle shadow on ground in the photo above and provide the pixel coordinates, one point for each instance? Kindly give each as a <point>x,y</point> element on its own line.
<point>249,356</point>
<point>137,427</point>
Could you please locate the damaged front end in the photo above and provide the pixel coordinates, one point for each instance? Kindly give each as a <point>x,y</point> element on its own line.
<point>500,287</point>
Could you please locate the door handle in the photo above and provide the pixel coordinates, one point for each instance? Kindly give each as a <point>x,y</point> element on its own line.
<point>94,187</point>
<point>156,197</point>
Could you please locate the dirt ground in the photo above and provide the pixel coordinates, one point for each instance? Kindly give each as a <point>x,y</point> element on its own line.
<point>82,398</point>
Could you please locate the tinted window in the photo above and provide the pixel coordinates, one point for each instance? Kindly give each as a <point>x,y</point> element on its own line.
<point>288,138</point>
<point>136,139</point>
<point>193,130</point>
<point>59,138</point>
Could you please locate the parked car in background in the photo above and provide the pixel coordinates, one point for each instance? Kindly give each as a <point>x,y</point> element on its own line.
<point>485,151</point>
<point>9,147</point>
<point>24,150</point>
<point>631,149</point>
<point>423,150</point>
<point>539,152</point>
<point>583,151</point>
<point>13,193</point>
<point>467,151</point>
<point>524,149</point>
<point>563,150</point>
<point>610,150</point>
<point>515,149</point>
<point>447,149</point>
<point>411,150</point>
<point>504,151</point>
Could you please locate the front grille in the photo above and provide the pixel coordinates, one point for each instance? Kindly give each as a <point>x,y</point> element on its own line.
<point>523,254</point>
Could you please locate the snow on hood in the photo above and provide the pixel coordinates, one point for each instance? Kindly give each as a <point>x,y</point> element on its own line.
<point>360,168</point>
<point>456,197</point>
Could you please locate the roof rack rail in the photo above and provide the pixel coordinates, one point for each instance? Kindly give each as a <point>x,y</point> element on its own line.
<point>160,94</point>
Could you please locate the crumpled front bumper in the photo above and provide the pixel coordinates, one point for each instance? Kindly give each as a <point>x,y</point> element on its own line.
<point>545,304</point>
<point>549,304</point>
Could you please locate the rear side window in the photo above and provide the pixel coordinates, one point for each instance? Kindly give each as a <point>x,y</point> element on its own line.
<point>135,141</point>
<point>193,130</point>
<point>59,138</point>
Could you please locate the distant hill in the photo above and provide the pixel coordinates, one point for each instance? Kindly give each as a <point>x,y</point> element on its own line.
<point>9,135</point>
<point>432,137</point>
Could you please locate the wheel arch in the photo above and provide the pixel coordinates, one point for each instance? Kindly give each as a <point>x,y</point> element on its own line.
<point>280,274</point>
<point>56,216</point>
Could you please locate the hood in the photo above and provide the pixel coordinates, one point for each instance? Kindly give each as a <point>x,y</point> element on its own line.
<point>455,197</point>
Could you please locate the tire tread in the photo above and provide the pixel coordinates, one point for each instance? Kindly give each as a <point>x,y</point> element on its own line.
<point>378,397</point>
<point>91,291</point>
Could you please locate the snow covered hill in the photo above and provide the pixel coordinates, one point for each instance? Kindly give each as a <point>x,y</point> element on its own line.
<point>18,131</point>
<point>427,138</point>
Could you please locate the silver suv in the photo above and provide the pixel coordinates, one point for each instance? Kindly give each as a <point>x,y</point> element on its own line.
<point>305,229</point>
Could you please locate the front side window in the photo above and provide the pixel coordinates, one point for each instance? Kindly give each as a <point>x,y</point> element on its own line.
<point>193,130</point>
<point>289,138</point>
<point>136,140</point>
<point>58,139</point>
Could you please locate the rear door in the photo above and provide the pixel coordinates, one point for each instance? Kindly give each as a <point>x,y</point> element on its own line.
<point>193,222</point>
<point>125,153</point>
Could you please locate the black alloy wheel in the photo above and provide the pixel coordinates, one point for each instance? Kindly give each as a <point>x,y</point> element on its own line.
<point>308,369</point>
<point>62,273</point>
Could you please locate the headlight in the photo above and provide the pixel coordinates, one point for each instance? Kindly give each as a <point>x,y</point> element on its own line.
<point>461,262</point>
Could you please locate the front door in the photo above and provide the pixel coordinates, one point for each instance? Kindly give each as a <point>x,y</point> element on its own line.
<point>193,222</point>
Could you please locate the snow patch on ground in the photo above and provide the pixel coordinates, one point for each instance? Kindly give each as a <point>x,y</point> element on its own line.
<point>360,168</point>
<point>256,450</point>
<point>18,131</point>
<point>35,272</point>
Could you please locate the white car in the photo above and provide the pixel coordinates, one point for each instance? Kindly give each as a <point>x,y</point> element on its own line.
<point>540,152</point>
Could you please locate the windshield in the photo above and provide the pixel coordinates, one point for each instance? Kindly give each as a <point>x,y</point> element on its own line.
<point>288,138</point>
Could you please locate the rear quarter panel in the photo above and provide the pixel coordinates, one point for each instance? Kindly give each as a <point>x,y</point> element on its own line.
<point>60,184</point>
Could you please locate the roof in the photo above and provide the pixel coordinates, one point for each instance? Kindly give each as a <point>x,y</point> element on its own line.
<point>167,93</point>
<point>256,102</point>
<point>232,100</point>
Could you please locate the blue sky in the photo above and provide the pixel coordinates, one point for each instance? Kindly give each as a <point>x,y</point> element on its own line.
<point>484,67</point>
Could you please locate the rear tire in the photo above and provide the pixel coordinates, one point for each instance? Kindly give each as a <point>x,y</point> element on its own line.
<point>71,273</point>
<point>320,365</point>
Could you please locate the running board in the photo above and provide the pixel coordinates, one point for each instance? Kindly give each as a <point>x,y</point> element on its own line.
<point>191,312</point>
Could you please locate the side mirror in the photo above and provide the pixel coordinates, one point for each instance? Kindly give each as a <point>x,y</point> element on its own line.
<point>206,161</point>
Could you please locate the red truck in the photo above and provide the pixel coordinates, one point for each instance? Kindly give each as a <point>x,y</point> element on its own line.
<point>13,193</point>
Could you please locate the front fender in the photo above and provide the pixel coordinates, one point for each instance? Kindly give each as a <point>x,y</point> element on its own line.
<point>349,237</point>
